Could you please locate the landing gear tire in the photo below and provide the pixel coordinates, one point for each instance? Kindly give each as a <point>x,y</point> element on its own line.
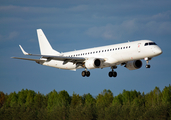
<point>112,74</point>
<point>147,66</point>
<point>85,73</point>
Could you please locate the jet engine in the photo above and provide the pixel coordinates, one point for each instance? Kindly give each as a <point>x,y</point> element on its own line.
<point>93,63</point>
<point>133,65</point>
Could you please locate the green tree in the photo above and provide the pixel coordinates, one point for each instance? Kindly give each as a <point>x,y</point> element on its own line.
<point>63,98</point>
<point>26,104</point>
<point>166,95</point>
<point>129,96</point>
<point>14,99</point>
<point>88,99</point>
<point>103,100</point>
<point>52,99</point>
<point>113,112</point>
<point>30,98</point>
<point>58,103</point>
<point>22,96</point>
<point>76,107</point>
<point>76,100</point>
<point>89,108</point>
<point>2,99</point>
<point>118,100</point>
<point>153,98</point>
<point>157,96</point>
<point>38,100</point>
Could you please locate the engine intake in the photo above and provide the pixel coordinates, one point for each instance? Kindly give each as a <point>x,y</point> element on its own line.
<point>133,65</point>
<point>97,63</point>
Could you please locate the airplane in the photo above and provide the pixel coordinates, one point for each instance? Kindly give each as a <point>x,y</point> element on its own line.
<point>129,55</point>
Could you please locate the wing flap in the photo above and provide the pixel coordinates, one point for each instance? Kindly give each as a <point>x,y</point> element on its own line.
<point>64,58</point>
<point>36,60</point>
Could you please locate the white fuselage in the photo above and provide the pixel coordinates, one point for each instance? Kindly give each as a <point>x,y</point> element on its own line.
<point>128,54</point>
<point>113,54</point>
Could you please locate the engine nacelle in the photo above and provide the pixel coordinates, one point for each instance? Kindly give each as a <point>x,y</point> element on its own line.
<point>133,65</point>
<point>93,63</point>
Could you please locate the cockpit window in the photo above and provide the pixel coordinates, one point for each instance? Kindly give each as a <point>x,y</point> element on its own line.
<point>150,43</point>
<point>146,44</point>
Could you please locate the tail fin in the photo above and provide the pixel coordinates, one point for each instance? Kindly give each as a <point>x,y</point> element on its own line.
<point>45,47</point>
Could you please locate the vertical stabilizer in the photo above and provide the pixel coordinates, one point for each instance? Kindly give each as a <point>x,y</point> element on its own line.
<point>45,47</point>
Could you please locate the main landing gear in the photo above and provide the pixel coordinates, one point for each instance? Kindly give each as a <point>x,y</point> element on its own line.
<point>85,73</point>
<point>147,61</point>
<point>113,73</point>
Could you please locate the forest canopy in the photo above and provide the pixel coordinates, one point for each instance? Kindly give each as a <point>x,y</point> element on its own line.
<point>27,104</point>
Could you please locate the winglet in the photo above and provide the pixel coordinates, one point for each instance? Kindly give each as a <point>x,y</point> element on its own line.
<point>25,53</point>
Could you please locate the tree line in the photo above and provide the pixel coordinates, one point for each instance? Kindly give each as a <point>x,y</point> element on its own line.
<point>128,105</point>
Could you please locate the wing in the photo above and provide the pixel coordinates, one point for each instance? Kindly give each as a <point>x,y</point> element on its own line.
<point>52,57</point>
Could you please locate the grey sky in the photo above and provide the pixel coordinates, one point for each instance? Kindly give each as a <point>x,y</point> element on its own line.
<point>79,24</point>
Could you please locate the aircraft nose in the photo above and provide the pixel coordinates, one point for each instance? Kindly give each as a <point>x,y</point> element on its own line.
<point>158,51</point>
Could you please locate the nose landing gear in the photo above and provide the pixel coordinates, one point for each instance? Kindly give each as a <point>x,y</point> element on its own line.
<point>147,61</point>
<point>147,66</point>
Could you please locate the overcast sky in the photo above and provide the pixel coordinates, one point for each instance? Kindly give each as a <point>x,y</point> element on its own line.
<point>78,24</point>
